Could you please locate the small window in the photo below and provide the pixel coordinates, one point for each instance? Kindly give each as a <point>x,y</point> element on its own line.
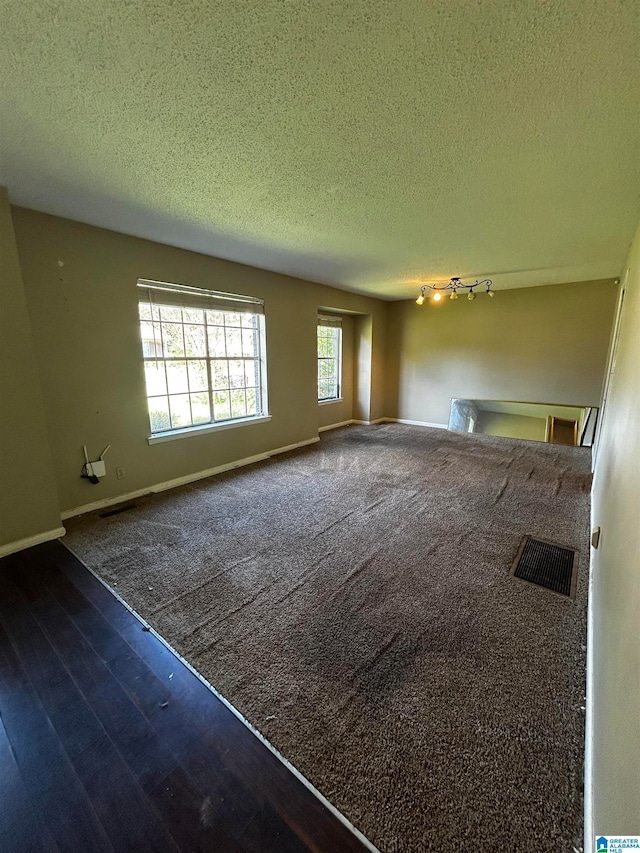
<point>203,355</point>
<point>329,358</point>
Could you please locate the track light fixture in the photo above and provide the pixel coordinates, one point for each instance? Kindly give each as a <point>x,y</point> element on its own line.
<point>454,285</point>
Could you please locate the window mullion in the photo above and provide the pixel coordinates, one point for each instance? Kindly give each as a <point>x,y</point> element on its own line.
<point>186,367</point>
<point>209,374</point>
<point>257,361</point>
<point>164,366</point>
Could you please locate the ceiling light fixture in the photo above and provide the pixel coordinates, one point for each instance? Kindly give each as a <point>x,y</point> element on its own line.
<point>454,285</point>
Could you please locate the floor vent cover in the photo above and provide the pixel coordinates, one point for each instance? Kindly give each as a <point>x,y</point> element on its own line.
<point>544,564</point>
<point>116,511</point>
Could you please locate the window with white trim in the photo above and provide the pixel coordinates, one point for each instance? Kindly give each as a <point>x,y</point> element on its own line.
<point>204,356</point>
<point>329,358</point>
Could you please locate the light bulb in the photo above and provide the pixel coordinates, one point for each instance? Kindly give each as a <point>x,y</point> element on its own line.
<point>420,300</point>
<point>490,293</point>
<point>454,295</point>
<point>437,296</point>
<point>471,295</point>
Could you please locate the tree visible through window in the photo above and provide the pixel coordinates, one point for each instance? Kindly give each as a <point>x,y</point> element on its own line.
<point>329,352</point>
<point>203,365</point>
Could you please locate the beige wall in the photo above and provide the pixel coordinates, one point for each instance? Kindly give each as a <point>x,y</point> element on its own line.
<point>84,319</point>
<point>28,495</point>
<point>614,648</point>
<point>363,356</point>
<point>342,410</point>
<point>537,343</point>
<point>541,344</point>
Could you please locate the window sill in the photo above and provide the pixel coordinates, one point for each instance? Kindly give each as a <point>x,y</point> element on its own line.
<point>328,402</point>
<point>160,437</point>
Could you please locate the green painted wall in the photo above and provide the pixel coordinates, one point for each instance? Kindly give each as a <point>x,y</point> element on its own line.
<point>84,318</point>
<point>28,495</point>
<point>538,344</point>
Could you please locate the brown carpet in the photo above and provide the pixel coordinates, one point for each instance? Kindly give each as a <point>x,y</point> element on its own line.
<point>352,600</point>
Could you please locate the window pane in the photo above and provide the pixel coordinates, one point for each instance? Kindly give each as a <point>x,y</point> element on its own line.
<point>252,373</point>
<point>173,340</point>
<point>201,365</point>
<point>236,374</point>
<point>329,338</point>
<point>219,374</point>
<point>193,315</point>
<point>155,378</point>
<point>326,389</point>
<point>180,410</point>
<point>146,331</point>
<point>217,346</point>
<point>249,343</point>
<point>151,339</point>
<point>171,313</point>
<point>159,414</point>
<point>200,410</point>
<point>326,346</point>
<point>198,376</point>
<point>215,318</point>
<point>326,368</point>
<point>221,406</point>
<point>238,404</point>
<point>232,318</point>
<point>194,340</point>
<point>234,342</point>
<point>177,377</point>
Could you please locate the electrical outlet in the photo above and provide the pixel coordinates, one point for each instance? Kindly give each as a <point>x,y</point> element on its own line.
<point>120,473</point>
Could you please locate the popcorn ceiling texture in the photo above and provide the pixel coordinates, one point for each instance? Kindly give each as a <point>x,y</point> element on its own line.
<point>353,602</point>
<point>361,144</point>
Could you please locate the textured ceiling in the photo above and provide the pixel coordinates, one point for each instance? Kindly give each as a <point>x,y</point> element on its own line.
<point>361,143</point>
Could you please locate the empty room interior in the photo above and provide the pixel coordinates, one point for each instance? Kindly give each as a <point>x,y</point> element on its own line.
<point>319,447</point>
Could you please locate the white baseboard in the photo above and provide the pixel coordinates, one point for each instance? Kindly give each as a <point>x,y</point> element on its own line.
<point>384,421</point>
<point>335,426</point>
<point>220,469</point>
<point>183,481</point>
<point>370,423</point>
<point>417,423</point>
<point>30,541</point>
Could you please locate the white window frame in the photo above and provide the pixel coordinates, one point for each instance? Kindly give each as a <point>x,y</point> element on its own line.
<point>335,325</point>
<point>242,314</point>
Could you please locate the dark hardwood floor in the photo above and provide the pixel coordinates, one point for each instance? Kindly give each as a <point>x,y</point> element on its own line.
<point>108,742</point>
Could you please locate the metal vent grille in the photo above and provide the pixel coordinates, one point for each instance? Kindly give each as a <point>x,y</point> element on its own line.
<point>544,564</point>
<point>116,511</point>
